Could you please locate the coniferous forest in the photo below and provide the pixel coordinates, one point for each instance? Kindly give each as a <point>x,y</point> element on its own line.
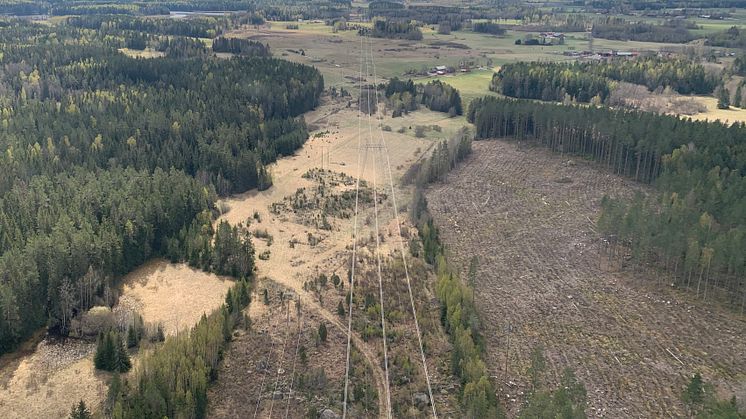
<point>404,96</point>
<point>582,81</point>
<point>694,226</point>
<point>109,160</point>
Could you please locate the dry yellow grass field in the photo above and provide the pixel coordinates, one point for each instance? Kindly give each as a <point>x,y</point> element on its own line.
<point>46,382</point>
<point>146,53</point>
<point>173,294</point>
<point>713,113</point>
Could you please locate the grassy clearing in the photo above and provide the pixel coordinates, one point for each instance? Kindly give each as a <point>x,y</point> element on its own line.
<point>730,115</point>
<point>146,53</point>
<point>470,85</point>
<point>173,294</point>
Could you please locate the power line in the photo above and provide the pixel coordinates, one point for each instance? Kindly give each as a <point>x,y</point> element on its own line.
<point>295,358</point>
<point>378,260</point>
<point>269,355</point>
<point>354,242</point>
<point>401,245</point>
<point>282,358</point>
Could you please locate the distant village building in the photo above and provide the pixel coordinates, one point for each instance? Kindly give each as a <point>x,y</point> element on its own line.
<point>552,38</point>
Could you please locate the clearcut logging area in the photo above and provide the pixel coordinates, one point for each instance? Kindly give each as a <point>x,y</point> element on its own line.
<point>528,214</point>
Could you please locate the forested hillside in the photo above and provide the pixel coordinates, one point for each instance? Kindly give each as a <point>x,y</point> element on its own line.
<point>108,160</point>
<point>583,81</point>
<point>694,227</point>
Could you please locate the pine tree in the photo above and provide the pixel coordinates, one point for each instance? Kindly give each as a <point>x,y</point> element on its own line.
<point>340,308</point>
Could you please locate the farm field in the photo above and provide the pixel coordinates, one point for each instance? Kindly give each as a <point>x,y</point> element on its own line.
<point>528,215</point>
<point>336,55</point>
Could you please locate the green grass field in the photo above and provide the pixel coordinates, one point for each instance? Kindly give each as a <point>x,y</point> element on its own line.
<point>470,85</point>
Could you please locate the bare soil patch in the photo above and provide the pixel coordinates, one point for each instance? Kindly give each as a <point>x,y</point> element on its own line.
<point>529,216</point>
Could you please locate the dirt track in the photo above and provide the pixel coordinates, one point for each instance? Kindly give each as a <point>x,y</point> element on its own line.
<point>528,214</point>
<point>293,266</point>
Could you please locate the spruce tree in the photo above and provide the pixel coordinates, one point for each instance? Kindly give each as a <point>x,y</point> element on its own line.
<point>80,411</point>
<point>322,332</point>
<point>695,391</point>
<point>159,334</point>
<point>723,98</point>
<point>229,302</point>
<point>115,387</point>
<point>122,361</point>
<point>244,296</point>
<point>132,340</point>
<point>105,358</point>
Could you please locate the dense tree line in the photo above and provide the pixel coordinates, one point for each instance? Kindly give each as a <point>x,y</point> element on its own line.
<point>240,46</point>
<point>241,114</point>
<point>648,5</point>
<point>225,251</point>
<point>671,32</point>
<point>694,226</point>
<point>93,8</point>
<point>682,75</point>
<point>550,81</point>
<point>203,27</point>
<point>487,27</point>
<point>181,47</point>
<point>66,8</point>
<point>583,81</point>
<point>458,313</point>
<point>729,38</point>
<point>393,29</point>
<point>455,16</point>
<point>444,158</point>
<point>276,10</point>
<point>109,161</point>
<point>172,380</point>
<point>739,65</point>
<point>540,21</point>
<point>57,228</point>
<point>111,354</point>
<point>405,96</point>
